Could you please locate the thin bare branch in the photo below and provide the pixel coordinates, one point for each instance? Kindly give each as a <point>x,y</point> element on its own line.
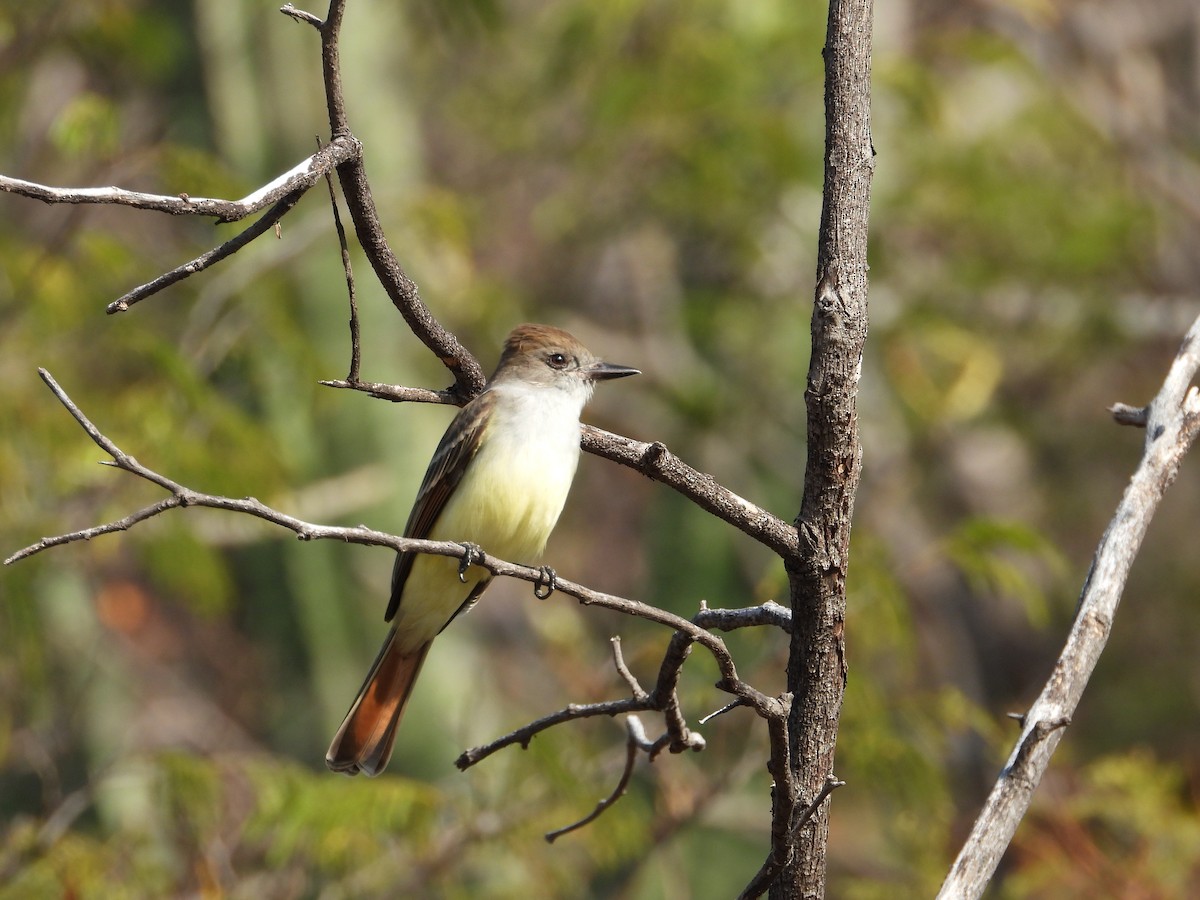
<point>301,16</point>
<point>299,178</point>
<point>655,461</point>
<point>124,524</point>
<point>268,221</point>
<point>623,670</point>
<point>397,393</point>
<point>348,270</point>
<point>636,741</point>
<point>728,707</point>
<point>570,713</point>
<point>831,785</point>
<point>1172,423</point>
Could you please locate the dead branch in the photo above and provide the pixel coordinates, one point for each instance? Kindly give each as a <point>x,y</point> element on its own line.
<point>816,674</point>
<point>1172,421</point>
<point>636,741</point>
<point>204,260</point>
<point>299,178</point>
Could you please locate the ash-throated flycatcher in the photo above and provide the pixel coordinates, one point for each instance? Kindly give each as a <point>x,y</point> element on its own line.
<point>498,479</point>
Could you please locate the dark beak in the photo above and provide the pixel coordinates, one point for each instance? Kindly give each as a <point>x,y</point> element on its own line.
<point>603,371</point>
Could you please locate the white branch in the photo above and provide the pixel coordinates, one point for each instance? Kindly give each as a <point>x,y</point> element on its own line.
<point>302,176</point>
<point>1172,420</point>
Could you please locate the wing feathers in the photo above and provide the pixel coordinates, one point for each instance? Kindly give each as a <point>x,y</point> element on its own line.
<point>458,447</point>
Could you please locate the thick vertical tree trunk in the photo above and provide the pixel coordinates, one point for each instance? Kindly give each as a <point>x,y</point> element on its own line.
<point>817,576</point>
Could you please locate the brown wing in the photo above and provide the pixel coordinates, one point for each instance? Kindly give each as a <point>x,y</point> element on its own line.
<point>458,446</point>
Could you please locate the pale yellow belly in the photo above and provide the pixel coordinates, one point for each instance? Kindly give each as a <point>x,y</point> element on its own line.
<point>508,503</point>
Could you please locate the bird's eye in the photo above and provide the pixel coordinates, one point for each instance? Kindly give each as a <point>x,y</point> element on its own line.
<point>557,360</point>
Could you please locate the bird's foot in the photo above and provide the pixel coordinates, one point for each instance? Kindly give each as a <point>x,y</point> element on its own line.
<point>472,553</point>
<point>546,584</point>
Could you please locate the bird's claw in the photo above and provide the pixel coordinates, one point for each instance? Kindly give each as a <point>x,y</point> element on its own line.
<point>472,553</point>
<point>546,584</point>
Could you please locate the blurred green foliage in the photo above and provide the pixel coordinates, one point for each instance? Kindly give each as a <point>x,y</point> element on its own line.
<point>647,174</point>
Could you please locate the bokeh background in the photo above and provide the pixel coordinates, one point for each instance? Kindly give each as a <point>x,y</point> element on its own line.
<point>647,174</point>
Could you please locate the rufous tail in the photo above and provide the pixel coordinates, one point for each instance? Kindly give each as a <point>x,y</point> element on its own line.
<point>364,741</point>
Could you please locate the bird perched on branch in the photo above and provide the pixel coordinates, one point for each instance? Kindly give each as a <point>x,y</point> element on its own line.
<point>498,480</point>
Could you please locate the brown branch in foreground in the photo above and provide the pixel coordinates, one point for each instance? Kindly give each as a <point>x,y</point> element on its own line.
<point>656,462</point>
<point>1172,423</point>
<point>816,672</point>
<point>299,178</point>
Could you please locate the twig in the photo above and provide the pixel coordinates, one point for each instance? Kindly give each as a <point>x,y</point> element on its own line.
<point>300,177</point>
<point>202,262</point>
<point>831,785</point>
<point>570,713</point>
<point>396,393</point>
<point>769,613</point>
<point>87,534</point>
<point>301,16</point>
<point>664,698</point>
<point>623,670</point>
<point>728,707</point>
<point>355,342</point>
<point>636,741</point>
<point>1172,421</point>
<point>1124,414</point>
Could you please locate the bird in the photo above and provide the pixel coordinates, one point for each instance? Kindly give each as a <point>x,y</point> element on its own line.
<point>498,480</point>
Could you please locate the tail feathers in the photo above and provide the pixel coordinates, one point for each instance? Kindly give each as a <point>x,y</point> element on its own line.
<point>364,741</point>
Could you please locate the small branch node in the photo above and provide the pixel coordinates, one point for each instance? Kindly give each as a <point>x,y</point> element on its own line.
<point>301,16</point>
<point>831,785</point>
<point>740,701</point>
<point>1124,414</point>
